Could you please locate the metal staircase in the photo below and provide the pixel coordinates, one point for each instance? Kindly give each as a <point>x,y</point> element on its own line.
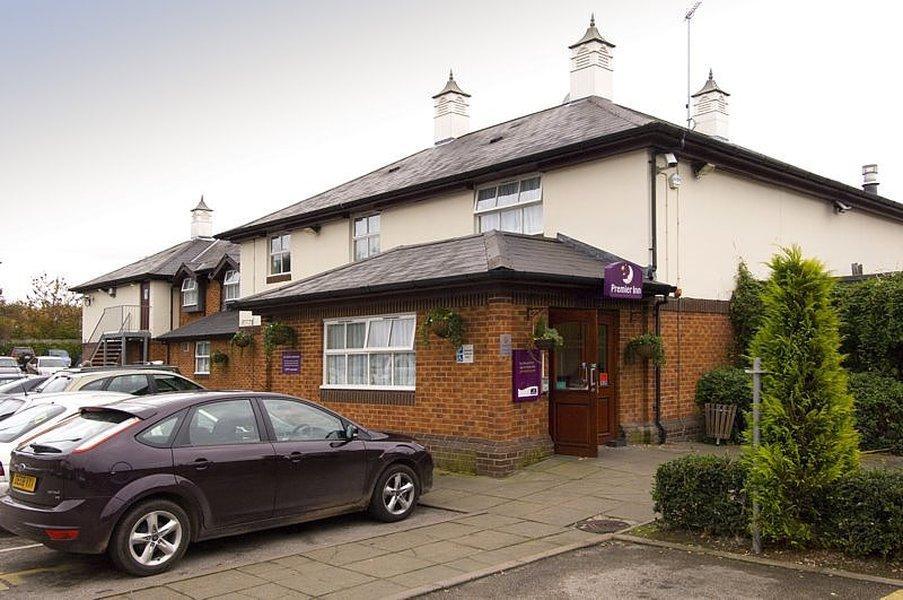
<point>116,327</point>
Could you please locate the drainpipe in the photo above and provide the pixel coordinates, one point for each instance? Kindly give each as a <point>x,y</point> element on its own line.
<point>657,406</point>
<point>653,207</point>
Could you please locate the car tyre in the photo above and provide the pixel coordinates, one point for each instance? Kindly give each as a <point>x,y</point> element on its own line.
<point>395,494</point>
<point>151,538</point>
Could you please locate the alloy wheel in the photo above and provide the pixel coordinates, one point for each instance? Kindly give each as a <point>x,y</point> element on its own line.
<point>398,494</point>
<point>155,538</point>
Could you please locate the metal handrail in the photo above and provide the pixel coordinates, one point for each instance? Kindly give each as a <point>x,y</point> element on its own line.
<point>116,319</point>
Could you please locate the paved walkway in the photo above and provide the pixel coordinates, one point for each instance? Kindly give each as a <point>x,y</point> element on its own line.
<point>502,522</point>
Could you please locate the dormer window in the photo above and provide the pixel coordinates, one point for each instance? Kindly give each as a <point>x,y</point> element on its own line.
<point>231,285</point>
<point>366,237</point>
<point>281,254</point>
<point>189,292</point>
<point>513,206</point>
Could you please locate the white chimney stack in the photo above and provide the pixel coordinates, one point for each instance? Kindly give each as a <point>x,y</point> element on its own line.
<point>870,179</point>
<point>591,65</point>
<point>201,221</point>
<point>452,118</point>
<point>710,110</point>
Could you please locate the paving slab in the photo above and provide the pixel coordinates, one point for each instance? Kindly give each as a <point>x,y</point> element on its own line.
<point>442,551</point>
<point>217,584</point>
<point>389,565</point>
<point>380,588</point>
<point>489,540</point>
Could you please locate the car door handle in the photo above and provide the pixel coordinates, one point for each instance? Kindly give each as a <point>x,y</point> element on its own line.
<point>201,463</point>
<point>295,457</point>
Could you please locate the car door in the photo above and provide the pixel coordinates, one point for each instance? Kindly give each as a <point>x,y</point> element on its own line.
<point>316,467</point>
<point>222,451</point>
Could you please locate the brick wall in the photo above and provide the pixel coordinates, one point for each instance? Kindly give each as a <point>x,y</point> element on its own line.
<point>241,373</point>
<point>213,295</point>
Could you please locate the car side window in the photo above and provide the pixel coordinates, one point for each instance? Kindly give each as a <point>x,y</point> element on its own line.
<point>130,384</point>
<point>95,385</point>
<point>296,421</point>
<point>223,423</point>
<point>160,433</point>
<point>174,383</point>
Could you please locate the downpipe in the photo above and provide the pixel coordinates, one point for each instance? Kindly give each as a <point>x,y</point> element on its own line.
<point>657,405</point>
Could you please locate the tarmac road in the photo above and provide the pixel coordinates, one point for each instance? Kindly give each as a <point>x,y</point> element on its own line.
<point>628,571</point>
<point>32,571</point>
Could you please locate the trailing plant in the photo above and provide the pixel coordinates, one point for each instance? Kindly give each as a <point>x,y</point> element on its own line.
<point>746,309</point>
<point>702,493</point>
<point>275,334</point>
<point>242,339</point>
<point>878,406</point>
<point>647,346</point>
<point>219,358</point>
<point>444,323</point>
<point>871,324</point>
<point>807,435</point>
<point>546,337</point>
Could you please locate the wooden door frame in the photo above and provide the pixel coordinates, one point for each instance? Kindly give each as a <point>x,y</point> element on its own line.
<point>614,352</point>
<point>144,306</point>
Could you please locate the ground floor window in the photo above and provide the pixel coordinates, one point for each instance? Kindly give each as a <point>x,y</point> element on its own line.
<point>369,352</point>
<point>202,358</point>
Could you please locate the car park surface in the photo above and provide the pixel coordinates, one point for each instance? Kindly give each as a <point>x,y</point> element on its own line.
<point>157,472</point>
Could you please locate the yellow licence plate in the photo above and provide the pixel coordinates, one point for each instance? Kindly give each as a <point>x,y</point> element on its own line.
<point>26,483</point>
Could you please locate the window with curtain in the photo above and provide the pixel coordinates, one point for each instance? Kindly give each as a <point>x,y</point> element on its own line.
<point>371,352</point>
<point>280,254</point>
<point>231,285</point>
<point>202,358</point>
<point>513,206</point>
<point>190,292</point>
<point>366,237</point>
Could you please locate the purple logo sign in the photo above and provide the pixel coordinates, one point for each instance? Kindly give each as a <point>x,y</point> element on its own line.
<point>526,375</point>
<point>291,362</point>
<point>623,280</point>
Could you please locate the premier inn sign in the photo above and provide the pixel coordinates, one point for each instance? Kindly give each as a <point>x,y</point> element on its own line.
<point>623,280</point>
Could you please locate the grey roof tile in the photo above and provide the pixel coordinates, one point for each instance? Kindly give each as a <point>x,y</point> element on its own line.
<point>218,324</point>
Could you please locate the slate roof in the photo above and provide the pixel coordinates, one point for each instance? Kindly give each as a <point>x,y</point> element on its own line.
<point>451,87</point>
<point>223,323</point>
<point>473,257</point>
<point>709,86</point>
<point>578,121</point>
<point>164,264</point>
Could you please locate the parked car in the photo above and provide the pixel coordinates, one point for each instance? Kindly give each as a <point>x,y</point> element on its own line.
<point>142,478</point>
<point>47,365</point>
<point>60,353</point>
<point>8,377</point>
<point>23,384</point>
<point>137,381</point>
<point>10,366</point>
<point>34,417</point>
<point>9,405</point>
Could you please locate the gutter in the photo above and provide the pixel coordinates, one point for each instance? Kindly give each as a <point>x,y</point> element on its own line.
<point>657,406</point>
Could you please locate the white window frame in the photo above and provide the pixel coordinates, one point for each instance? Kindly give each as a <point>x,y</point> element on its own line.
<point>478,213</point>
<point>365,237</point>
<point>286,241</point>
<point>391,350</point>
<point>200,356</point>
<point>231,289</point>
<point>189,286</point>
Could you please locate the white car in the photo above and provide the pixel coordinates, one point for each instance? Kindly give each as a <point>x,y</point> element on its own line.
<point>40,414</point>
<point>47,365</point>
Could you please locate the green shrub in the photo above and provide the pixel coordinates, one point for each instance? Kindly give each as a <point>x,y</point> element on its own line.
<point>726,385</point>
<point>807,434</point>
<point>871,315</point>
<point>746,309</point>
<point>864,514</point>
<point>702,493</point>
<point>878,405</point>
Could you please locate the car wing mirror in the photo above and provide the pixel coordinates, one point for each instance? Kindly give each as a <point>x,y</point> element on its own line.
<point>351,432</point>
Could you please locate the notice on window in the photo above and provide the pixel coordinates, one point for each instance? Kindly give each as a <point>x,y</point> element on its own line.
<point>464,355</point>
<point>291,362</point>
<point>526,375</point>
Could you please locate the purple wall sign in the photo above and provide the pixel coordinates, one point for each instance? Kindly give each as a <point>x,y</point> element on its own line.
<point>526,375</point>
<point>291,362</point>
<point>623,280</point>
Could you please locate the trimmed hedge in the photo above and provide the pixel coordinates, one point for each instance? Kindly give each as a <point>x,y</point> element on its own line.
<point>702,493</point>
<point>878,406</point>
<point>865,514</point>
<point>861,514</point>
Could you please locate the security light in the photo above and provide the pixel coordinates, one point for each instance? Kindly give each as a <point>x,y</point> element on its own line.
<point>674,181</point>
<point>840,207</point>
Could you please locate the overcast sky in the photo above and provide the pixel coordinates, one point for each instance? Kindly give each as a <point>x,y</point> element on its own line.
<point>116,116</point>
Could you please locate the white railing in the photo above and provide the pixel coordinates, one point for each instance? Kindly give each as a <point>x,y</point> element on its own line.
<point>124,318</point>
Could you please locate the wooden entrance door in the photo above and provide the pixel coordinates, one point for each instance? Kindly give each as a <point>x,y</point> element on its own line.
<point>573,402</point>
<point>145,305</point>
<point>606,384</point>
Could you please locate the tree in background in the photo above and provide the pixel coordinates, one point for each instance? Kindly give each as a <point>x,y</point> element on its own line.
<point>746,309</point>
<point>807,434</point>
<point>50,311</point>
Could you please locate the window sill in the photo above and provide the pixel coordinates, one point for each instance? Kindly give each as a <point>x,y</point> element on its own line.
<point>279,278</point>
<point>201,374</point>
<point>394,397</point>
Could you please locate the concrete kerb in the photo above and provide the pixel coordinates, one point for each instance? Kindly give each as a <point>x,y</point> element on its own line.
<point>626,537</point>
<point>235,566</point>
<point>491,570</point>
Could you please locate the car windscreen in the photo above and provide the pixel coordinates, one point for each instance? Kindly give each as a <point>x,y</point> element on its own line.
<point>77,430</point>
<point>6,361</point>
<point>52,361</point>
<point>22,422</point>
<point>54,384</point>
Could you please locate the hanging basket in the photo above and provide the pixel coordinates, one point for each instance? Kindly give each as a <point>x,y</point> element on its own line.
<point>440,329</point>
<point>645,351</point>
<point>719,421</point>
<point>543,344</point>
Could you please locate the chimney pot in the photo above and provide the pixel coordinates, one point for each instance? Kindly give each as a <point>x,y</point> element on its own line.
<point>591,65</point>
<point>452,112</point>
<point>710,115</point>
<point>201,221</point>
<point>870,179</point>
